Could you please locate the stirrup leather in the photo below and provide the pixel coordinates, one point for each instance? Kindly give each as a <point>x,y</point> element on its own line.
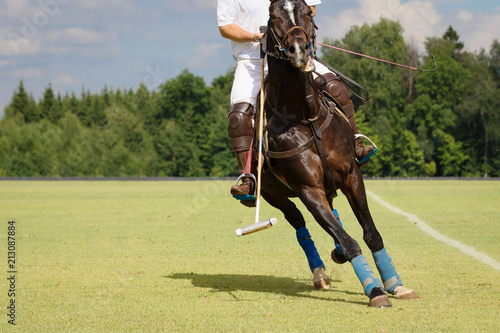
<point>250,197</point>
<point>366,158</point>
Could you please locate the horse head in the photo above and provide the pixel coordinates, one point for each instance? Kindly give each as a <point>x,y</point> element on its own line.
<point>291,33</point>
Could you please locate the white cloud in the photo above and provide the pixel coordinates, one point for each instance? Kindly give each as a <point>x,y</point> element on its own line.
<point>465,16</point>
<point>206,3</point>
<point>203,55</point>
<point>15,8</point>
<point>26,73</point>
<point>419,19</point>
<point>481,34</point>
<point>12,44</point>
<point>187,6</point>
<point>66,80</point>
<point>97,3</point>
<point>77,35</point>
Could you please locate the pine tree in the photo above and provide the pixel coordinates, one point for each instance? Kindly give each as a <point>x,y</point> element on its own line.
<point>50,106</point>
<point>24,105</point>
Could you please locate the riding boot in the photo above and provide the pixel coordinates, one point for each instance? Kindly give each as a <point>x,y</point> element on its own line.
<point>333,86</point>
<point>247,185</point>
<point>240,132</point>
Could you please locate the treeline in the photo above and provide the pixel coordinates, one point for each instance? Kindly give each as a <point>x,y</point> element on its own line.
<point>442,123</point>
<point>178,130</point>
<point>435,123</point>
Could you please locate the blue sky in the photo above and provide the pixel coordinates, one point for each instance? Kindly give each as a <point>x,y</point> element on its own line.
<point>90,44</point>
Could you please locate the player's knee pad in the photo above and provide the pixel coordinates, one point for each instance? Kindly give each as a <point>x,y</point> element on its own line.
<point>332,84</point>
<point>240,127</point>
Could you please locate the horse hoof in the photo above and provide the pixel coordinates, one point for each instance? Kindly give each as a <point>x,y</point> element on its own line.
<point>321,280</point>
<point>338,257</point>
<point>379,299</point>
<point>405,293</point>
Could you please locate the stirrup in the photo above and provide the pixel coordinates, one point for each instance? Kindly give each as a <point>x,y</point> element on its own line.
<point>366,158</point>
<point>249,197</point>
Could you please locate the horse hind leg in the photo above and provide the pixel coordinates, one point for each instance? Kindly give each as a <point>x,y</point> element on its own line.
<point>321,280</point>
<point>292,214</point>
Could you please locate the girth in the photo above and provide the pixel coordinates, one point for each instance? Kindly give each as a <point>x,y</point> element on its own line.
<point>305,146</point>
<point>317,133</point>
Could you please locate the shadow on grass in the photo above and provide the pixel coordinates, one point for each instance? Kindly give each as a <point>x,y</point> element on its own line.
<point>230,283</point>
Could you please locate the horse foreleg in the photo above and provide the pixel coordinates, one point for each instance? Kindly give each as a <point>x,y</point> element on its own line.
<point>354,190</point>
<point>356,195</point>
<point>392,282</point>
<point>317,203</point>
<point>295,218</point>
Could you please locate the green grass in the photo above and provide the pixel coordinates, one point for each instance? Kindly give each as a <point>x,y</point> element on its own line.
<point>164,256</point>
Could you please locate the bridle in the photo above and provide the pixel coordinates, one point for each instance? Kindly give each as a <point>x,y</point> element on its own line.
<point>280,49</point>
<point>311,112</point>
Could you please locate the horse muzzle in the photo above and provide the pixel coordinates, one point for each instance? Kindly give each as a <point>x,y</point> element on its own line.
<point>309,67</point>
<point>300,55</point>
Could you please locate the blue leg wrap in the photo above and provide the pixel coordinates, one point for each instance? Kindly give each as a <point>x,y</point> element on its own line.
<point>387,270</point>
<point>309,248</point>
<point>365,274</point>
<point>337,245</point>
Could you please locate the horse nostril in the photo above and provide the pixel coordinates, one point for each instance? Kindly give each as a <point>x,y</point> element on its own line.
<point>292,49</point>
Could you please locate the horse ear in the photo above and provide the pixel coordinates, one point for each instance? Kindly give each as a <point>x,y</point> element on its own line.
<point>314,23</point>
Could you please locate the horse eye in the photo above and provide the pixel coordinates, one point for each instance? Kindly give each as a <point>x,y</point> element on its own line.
<point>310,12</point>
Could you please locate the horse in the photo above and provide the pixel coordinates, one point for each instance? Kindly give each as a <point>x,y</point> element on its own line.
<point>297,113</point>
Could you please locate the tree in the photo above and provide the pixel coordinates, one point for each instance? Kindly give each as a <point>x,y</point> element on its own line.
<point>217,157</point>
<point>178,157</point>
<point>433,114</point>
<point>24,105</point>
<point>479,120</point>
<point>50,107</point>
<point>381,117</point>
<point>187,100</point>
<point>494,62</point>
<point>452,36</point>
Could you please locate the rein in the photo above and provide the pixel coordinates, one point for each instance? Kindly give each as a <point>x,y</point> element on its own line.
<point>309,118</point>
<point>382,60</point>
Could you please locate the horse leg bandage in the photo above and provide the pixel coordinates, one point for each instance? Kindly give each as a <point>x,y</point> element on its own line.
<point>309,248</point>
<point>365,274</point>
<point>387,270</point>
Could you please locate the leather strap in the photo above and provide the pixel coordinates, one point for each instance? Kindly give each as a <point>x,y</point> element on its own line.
<point>305,146</point>
<point>330,189</point>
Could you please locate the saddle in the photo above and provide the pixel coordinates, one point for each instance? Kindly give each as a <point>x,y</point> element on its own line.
<point>332,106</point>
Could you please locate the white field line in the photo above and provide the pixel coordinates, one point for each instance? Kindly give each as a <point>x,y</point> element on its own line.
<point>431,232</point>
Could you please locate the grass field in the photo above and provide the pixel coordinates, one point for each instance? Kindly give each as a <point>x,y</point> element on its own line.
<point>144,256</point>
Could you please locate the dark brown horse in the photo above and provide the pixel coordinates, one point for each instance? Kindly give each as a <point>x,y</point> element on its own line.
<point>295,110</point>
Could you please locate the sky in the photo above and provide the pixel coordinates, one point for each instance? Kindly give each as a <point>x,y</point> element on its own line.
<point>90,44</point>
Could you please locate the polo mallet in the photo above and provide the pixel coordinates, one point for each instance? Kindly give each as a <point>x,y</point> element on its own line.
<point>258,226</point>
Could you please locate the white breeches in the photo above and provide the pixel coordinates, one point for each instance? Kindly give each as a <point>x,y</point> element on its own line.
<point>246,84</point>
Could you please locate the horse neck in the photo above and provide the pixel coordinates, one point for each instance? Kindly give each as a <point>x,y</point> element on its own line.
<point>289,87</point>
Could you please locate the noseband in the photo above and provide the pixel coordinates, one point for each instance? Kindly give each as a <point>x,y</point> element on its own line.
<point>280,49</point>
